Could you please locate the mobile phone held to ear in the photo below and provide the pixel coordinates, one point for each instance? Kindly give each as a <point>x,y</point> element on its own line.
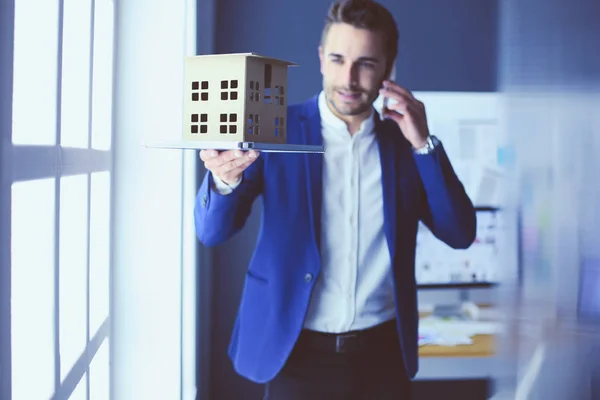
<point>387,102</point>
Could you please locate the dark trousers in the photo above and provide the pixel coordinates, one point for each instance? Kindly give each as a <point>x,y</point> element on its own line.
<point>366,365</point>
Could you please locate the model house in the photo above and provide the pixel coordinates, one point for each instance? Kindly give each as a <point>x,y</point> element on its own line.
<point>235,98</point>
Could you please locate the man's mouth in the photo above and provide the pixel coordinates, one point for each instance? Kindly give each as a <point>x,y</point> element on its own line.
<point>349,96</point>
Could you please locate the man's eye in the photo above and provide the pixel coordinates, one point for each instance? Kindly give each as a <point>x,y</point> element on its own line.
<point>336,60</point>
<point>368,65</point>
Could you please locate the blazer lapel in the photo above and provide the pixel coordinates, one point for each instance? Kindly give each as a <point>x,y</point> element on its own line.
<point>387,152</point>
<point>311,127</point>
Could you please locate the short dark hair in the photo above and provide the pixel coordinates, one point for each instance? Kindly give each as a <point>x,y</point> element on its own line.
<point>366,14</point>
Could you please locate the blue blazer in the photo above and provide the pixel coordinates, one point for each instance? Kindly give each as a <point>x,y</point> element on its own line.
<point>286,261</point>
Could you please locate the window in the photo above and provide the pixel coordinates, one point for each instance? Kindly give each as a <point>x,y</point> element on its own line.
<point>226,92</point>
<point>254,124</point>
<point>60,198</point>
<point>254,91</point>
<point>200,91</point>
<point>33,289</point>
<point>29,78</point>
<point>102,75</point>
<point>203,126</point>
<point>75,74</point>
<point>230,119</point>
<point>280,127</point>
<point>72,272</point>
<point>279,95</point>
<point>99,374</point>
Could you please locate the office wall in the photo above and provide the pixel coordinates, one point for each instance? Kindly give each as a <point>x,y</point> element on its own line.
<point>445,46</point>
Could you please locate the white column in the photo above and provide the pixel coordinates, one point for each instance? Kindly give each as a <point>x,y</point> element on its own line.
<point>152,249</point>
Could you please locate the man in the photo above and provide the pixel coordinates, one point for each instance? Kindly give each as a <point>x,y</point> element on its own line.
<point>329,304</point>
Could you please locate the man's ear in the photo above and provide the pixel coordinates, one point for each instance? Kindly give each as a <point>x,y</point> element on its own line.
<point>321,57</point>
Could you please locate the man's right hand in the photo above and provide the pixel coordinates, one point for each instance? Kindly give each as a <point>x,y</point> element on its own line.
<point>228,165</point>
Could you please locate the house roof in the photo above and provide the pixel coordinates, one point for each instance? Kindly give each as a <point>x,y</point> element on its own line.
<point>255,55</point>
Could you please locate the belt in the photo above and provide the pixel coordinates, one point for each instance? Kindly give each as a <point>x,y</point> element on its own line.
<point>357,341</point>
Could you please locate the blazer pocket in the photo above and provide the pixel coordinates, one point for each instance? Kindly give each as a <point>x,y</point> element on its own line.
<point>257,278</point>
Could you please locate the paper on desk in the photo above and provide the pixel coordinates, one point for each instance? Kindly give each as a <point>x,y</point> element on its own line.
<point>451,332</point>
<point>433,337</point>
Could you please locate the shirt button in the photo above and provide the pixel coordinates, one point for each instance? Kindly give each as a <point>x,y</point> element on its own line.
<point>308,277</point>
<point>204,200</point>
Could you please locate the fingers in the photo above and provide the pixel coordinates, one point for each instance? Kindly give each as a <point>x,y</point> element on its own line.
<point>223,158</point>
<point>402,95</point>
<point>227,165</point>
<point>393,87</point>
<point>404,107</point>
<point>398,96</point>
<point>214,159</point>
<point>232,175</point>
<point>206,155</point>
<point>393,115</point>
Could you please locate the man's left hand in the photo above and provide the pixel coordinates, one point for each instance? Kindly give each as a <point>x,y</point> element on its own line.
<point>407,112</point>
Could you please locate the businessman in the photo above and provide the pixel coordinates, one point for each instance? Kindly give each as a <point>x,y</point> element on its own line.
<point>329,303</point>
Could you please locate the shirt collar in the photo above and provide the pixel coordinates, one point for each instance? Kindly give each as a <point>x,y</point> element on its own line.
<point>330,119</point>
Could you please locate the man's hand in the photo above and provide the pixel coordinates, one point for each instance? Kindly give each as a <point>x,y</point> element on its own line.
<point>408,113</point>
<point>228,165</point>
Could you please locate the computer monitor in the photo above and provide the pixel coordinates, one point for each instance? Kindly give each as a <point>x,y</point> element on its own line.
<point>439,266</point>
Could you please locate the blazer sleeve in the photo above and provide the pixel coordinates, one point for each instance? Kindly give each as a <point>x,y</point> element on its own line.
<point>445,209</point>
<point>217,216</point>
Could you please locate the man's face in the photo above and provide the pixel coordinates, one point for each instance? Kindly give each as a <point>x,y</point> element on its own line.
<point>353,65</point>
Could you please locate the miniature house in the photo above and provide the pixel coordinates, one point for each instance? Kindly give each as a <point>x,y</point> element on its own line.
<point>235,98</point>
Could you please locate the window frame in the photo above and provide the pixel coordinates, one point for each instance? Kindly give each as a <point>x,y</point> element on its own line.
<point>7,14</point>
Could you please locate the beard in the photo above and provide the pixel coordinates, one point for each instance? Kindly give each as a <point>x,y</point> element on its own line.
<point>354,101</point>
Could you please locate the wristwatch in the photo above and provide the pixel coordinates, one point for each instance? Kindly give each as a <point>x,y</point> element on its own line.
<point>430,145</point>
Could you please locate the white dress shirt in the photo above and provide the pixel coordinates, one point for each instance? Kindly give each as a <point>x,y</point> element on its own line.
<point>354,289</point>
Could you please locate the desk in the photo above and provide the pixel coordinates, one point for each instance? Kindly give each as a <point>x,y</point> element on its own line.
<point>482,346</point>
<point>473,383</point>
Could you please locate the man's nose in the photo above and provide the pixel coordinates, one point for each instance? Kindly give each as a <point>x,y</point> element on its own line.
<point>351,75</point>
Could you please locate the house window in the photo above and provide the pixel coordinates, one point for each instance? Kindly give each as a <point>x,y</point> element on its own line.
<point>279,95</point>
<point>199,123</point>
<point>279,127</point>
<point>226,89</point>
<point>228,123</point>
<point>267,97</point>
<point>268,75</point>
<point>254,124</point>
<point>254,92</point>
<point>200,90</point>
